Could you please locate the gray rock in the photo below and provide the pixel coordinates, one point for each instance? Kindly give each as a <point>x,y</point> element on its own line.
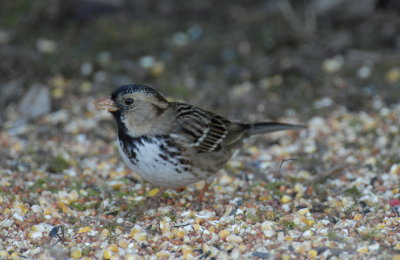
<point>36,102</point>
<point>261,255</point>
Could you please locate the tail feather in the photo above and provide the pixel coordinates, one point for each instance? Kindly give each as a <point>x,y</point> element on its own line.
<point>268,127</point>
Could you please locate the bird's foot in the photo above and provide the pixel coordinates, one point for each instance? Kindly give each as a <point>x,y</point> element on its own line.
<point>197,205</point>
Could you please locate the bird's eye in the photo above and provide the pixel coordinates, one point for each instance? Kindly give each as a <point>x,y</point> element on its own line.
<point>128,101</point>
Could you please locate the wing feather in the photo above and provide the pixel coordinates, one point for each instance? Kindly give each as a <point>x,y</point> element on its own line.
<point>207,131</point>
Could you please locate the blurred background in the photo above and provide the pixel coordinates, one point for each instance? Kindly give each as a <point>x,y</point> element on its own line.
<point>238,58</point>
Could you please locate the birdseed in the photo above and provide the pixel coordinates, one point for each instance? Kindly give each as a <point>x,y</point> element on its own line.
<point>65,193</point>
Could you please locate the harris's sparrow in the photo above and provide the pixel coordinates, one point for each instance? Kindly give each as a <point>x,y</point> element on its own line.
<point>171,144</point>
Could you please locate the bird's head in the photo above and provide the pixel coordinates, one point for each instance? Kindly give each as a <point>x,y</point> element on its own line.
<point>135,107</point>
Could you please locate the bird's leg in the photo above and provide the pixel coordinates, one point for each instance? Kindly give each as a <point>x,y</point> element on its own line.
<point>200,198</point>
<point>198,204</point>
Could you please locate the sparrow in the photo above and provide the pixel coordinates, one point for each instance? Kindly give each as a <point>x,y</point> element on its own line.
<point>172,144</point>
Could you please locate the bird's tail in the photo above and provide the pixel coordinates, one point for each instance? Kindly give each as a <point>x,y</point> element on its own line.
<point>268,127</point>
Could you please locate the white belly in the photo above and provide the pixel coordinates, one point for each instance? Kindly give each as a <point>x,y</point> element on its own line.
<point>156,170</point>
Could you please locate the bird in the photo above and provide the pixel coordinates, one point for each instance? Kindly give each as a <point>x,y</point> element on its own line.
<point>172,144</point>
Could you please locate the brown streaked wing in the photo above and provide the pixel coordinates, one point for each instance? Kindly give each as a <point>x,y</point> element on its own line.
<point>206,130</point>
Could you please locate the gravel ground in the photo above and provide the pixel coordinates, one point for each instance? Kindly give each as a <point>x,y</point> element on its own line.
<point>331,191</point>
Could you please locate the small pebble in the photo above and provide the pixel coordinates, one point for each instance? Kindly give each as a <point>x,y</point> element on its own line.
<point>76,254</point>
<point>234,239</point>
<point>286,199</point>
